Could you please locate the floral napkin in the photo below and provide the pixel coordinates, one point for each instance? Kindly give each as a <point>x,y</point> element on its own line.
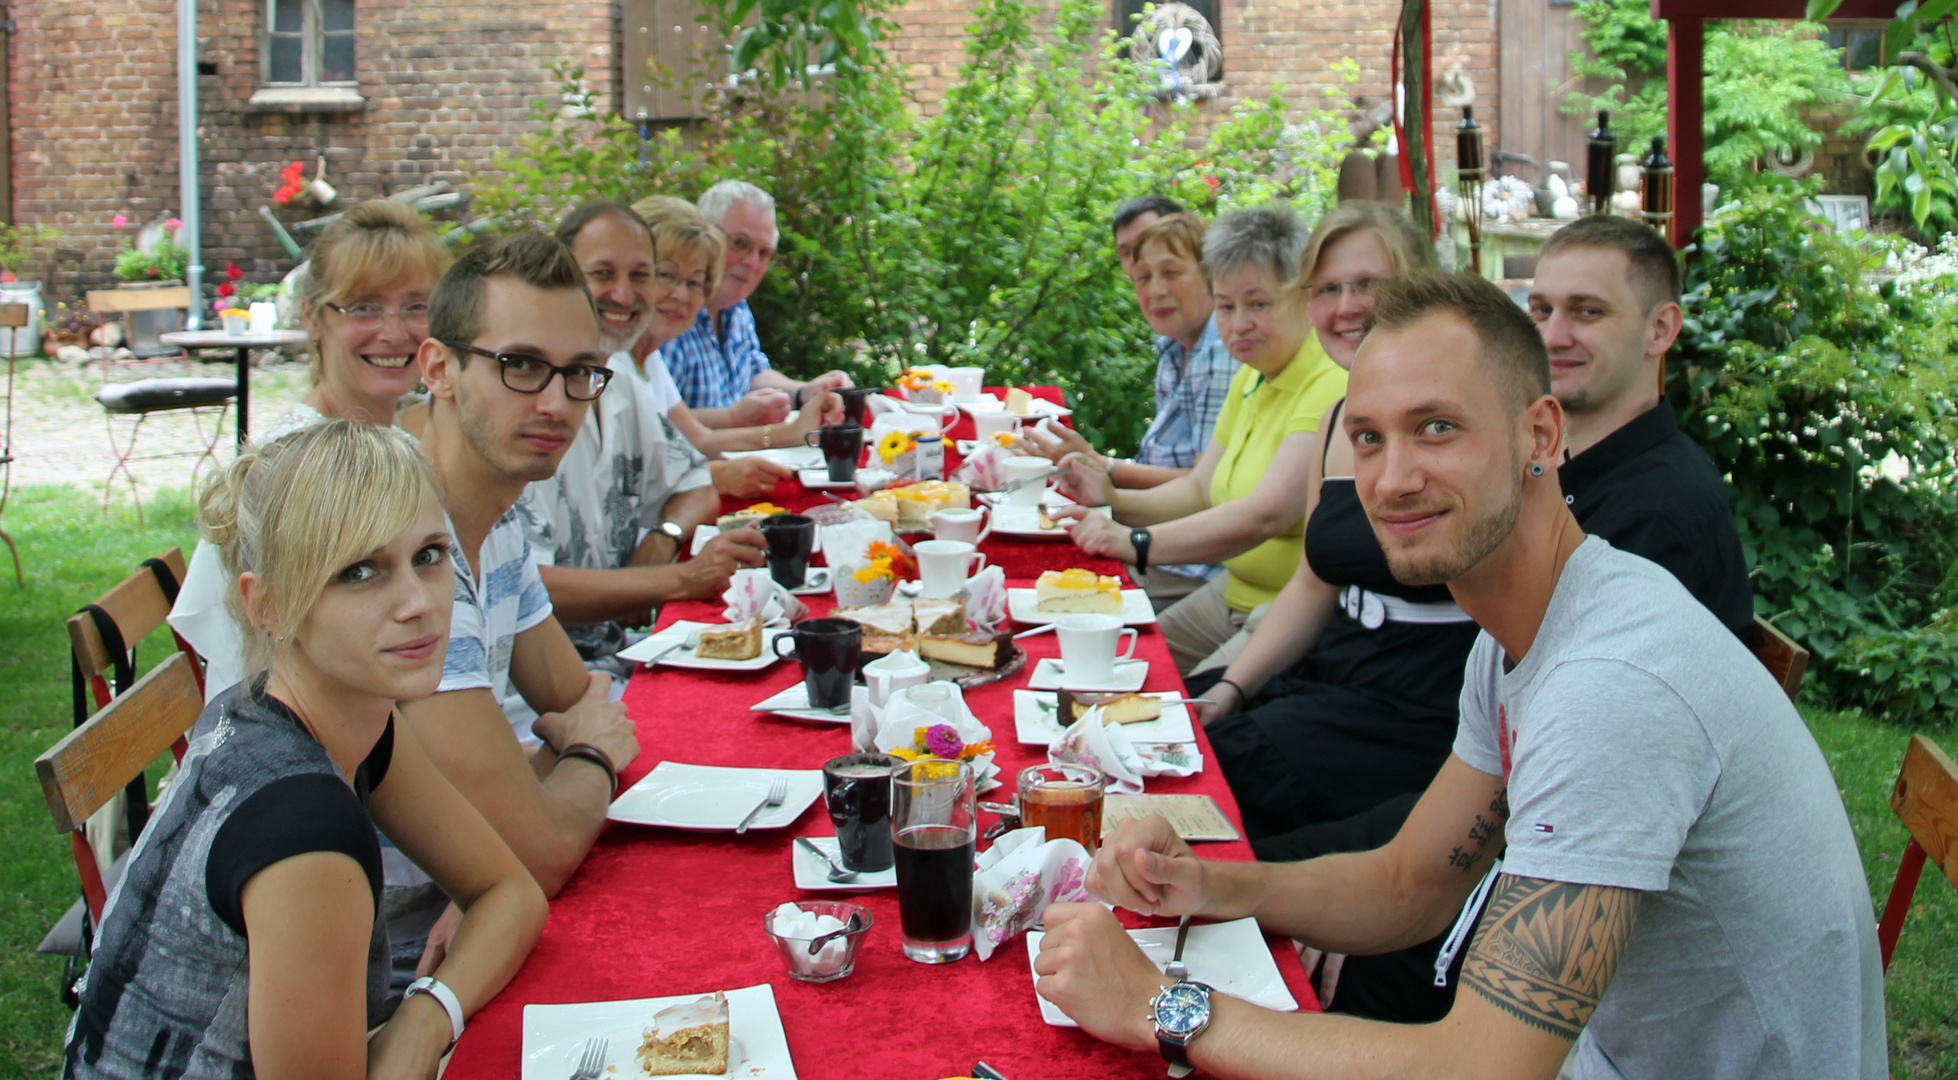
<point>848,544</point>
<point>1017,878</point>
<point>980,470</point>
<point>1102,746</point>
<point>985,599</point>
<point>753,593</point>
<point>907,730</point>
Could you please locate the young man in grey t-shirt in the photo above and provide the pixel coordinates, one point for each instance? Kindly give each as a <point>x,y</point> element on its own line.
<point>1680,894</point>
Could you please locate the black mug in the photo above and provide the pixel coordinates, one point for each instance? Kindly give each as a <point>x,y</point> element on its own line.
<point>791,540</point>
<point>857,791</point>
<point>856,404</point>
<point>842,446</point>
<point>828,650</point>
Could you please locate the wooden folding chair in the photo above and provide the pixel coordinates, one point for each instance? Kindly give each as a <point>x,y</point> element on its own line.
<point>11,315</point>
<point>201,397</point>
<point>1779,653</point>
<point>1926,800</point>
<point>103,758</point>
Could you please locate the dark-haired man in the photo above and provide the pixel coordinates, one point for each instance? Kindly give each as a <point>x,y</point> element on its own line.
<point>1134,216</point>
<point>1640,775</point>
<point>512,365</point>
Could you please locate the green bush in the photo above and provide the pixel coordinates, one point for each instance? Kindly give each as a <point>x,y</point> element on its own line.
<point>977,235</point>
<point>1826,397</point>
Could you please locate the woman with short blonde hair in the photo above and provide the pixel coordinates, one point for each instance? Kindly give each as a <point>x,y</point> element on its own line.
<point>247,934</point>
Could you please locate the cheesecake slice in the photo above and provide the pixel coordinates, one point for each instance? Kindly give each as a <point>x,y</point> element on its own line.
<point>886,627</point>
<point>1044,519</point>
<point>689,1039</point>
<point>753,515</point>
<point>1019,402</point>
<point>977,649</point>
<point>939,618</point>
<point>1077,591</point>
<point>1072,705</point>
<point>736,641</point>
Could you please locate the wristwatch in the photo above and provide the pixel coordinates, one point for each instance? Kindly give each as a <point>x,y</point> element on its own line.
<point>1182,1012</point>
<point>433,987</point>
<point>674,533</point>
<point>1139,540</point>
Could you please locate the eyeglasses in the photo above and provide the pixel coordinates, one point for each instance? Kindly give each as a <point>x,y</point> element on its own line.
<point>673,283</point>
<point>1361,289</point>
<point>742,248</point>
<point>531,374</point>
<point>371,316</point>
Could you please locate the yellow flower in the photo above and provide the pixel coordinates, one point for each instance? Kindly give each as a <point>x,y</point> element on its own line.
<point>892,444</point>
<point>1004,438</point>
<point>943,387</point>
<point>872,571</point>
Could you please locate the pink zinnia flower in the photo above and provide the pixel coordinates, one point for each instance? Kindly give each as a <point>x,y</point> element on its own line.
<point>119,221</point>
<point>943,741</point>
<point>173,225</point>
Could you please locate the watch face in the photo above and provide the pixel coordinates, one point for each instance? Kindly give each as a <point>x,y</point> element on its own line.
<point>1183,1009</point>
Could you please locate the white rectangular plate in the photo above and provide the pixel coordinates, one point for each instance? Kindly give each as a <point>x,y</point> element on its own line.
<point>795,457</point>
<point>1049,674</point>
<point>1041,406</point>
<point>794,703</point>
<point>1025,521</point>
<point>1230,956</point>
<point>1036,725</point>
<point>817,479</point>
<point>710,798</point>
<point>554,1035</point>
<point>683,657</point>
<point>1136,608</point>
<point>983,403</point>
<point>812,874</point>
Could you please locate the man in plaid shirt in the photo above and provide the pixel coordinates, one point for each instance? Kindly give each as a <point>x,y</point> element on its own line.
<point>1160,245</point>
<point>718,365</point>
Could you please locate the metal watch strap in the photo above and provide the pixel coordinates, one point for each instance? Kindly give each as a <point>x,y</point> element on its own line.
<point>1139,540</point>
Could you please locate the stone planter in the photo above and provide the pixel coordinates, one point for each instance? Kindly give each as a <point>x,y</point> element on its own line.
<point>22,340</point>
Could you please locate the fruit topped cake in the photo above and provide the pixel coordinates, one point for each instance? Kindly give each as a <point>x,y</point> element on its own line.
<point>909,508</point>
<point>689,1039</point>
<point>1077,591</point>
<point>751,516</point>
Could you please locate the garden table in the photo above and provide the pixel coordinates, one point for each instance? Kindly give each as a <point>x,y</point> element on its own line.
<point>657,912</point>
<point>244,343</point>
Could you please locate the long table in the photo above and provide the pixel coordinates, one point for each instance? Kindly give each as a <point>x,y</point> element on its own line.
<point>656,912</point>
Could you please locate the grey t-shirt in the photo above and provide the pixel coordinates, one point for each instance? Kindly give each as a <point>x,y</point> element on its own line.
<point>1646,749</point>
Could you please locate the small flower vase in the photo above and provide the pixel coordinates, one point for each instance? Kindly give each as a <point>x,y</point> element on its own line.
<point>851,593</point>
<point>236,325</point>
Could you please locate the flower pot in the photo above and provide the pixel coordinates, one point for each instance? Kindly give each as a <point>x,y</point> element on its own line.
<point>851,593</point>
<point>22,340</point>
<point>236,325</point>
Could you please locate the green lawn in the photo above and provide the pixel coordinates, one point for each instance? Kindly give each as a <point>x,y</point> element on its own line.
<point>72,551</point>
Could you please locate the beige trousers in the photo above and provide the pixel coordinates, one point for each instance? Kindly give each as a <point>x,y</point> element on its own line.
<point>1203,632</point>
<point>1164,589</point>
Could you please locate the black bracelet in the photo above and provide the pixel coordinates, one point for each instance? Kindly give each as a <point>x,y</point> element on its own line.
<point>1242,697</point>
<point>1139,540</point>
<point>597,757</point>
<point>797,399</point>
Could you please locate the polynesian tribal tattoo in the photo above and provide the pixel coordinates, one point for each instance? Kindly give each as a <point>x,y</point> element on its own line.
<point>1484,830</point>
<point>1546,950</point>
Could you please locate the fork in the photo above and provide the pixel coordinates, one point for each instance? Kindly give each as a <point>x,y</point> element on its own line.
<point>778,792</point>
<point>592,1062</point>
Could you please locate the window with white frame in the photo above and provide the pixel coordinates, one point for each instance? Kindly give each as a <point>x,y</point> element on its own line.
<point>309,42</point>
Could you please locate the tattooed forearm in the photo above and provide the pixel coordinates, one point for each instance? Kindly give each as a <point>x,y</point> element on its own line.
<point>1484,830</point>
<point>1546,950</point>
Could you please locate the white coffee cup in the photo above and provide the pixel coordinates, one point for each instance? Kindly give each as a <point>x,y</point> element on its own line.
<point>940,415</point>
<point>970,526</point>
<point>967,382</point>
<point>987,423</point>
<point>893,673</point>
<point>1088,644</point>
<point>941,699</point>
<point>945,565</point>
<point>1028,468</point>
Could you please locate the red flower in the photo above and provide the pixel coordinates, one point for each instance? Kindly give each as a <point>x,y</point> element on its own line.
<point>227,289</point>
<point>293,181</point>
<point>233,272</point>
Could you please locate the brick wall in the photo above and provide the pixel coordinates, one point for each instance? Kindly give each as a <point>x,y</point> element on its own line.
<point>94,112</point>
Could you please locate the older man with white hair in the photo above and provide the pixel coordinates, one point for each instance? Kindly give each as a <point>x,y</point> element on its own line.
<point>719,365</point>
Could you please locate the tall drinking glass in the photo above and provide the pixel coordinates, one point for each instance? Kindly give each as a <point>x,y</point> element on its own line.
<point>934,828</point>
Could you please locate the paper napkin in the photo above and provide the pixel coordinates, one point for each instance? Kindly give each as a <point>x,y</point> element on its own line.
<point>1017,878</point>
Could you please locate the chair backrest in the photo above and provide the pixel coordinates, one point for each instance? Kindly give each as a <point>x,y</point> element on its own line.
<point>1779,653</point>
<point>119,301</point>
<point>92,763</point>
<point>131,610</point>
<point>1926,800</point>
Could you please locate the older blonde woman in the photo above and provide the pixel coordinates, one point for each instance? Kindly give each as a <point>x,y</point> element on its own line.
<point>1244,503</point>
<point>364,300</point>
<point>246,936</point>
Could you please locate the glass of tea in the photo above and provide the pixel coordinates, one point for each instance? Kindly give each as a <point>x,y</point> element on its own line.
<point>934,829</point>
<point>1065,799</point>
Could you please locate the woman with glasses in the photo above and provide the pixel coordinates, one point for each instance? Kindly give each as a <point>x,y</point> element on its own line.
<point>1343,705</point>
<point>246,936</point>
<point>364,301</point>
<point>1244,504</point>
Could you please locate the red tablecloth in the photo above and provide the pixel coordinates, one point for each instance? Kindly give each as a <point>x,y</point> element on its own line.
<point>655,912</point>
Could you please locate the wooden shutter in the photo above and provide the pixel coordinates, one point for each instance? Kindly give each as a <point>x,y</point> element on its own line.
<point>677,34</point>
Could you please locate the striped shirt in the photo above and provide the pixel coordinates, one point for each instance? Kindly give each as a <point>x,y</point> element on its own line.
<point>715,362</point>
<point>1190,388</point>
<point>501,599</point>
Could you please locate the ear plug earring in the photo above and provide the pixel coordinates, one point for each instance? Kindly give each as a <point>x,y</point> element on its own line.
<point>1536,470</point>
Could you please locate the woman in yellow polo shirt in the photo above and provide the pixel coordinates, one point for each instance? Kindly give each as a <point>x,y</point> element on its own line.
<point>1244,503</point>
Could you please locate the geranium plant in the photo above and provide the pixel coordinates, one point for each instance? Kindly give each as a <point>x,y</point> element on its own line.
<point>165,263</point>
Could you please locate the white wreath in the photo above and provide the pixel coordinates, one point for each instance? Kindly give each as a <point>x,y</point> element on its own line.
<point>1189,64</point>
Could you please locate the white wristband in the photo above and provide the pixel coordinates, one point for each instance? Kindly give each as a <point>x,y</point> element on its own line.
<point>433,987</point>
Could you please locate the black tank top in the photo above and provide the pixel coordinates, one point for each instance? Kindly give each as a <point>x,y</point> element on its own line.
<point>1340,545</point>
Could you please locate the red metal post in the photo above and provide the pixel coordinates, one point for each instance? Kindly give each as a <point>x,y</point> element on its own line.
<point>1901,890</point>
<point>1686,121</point>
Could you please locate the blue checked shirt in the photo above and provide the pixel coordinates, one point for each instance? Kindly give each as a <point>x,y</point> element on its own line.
<point>713,371</point>
<point>1190,388</point>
